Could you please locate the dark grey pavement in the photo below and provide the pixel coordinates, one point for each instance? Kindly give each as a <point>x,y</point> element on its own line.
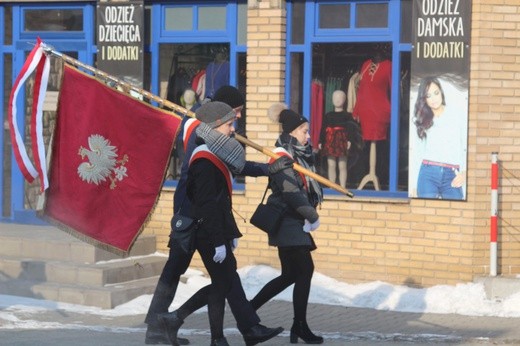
<point>338,325</point>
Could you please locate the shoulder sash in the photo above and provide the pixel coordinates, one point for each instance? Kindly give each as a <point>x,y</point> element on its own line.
<point>202,152</point>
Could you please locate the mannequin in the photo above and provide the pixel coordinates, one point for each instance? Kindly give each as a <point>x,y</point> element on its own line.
<point>217,74</point>
<point>189,98</point>
<point>334,138</point>
<point>372,108</point>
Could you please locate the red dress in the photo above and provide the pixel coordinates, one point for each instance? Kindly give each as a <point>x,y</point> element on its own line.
<point>373,99</point>
<point>333,135</point>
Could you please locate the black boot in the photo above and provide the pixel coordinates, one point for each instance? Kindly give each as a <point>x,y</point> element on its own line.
<point>260,333</point>
<point>301,330</point>
<point>171,323</point>
<point>155,335</point>
<point>219,342</point>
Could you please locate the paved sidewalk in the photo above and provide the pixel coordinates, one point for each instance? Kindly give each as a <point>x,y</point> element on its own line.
<point>338,325</point>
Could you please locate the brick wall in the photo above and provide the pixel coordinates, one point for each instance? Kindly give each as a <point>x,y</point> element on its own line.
<point>413,242</point>
<point>494,127</point>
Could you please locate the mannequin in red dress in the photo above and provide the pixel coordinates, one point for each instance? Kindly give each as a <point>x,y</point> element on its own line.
<point>372,107</point>
<point>334,138</point>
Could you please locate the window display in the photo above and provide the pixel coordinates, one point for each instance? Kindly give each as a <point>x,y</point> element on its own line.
<point>361,73</point>
<point>192,73</point>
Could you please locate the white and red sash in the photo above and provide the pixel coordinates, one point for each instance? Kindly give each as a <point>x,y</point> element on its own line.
<point>202,151</point>
<point>38,61</point>
<point>189,126</point>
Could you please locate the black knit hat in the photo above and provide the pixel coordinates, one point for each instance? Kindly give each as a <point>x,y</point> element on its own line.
<point>290,120</point>
<point>230,96</point>
<point>215,113</point>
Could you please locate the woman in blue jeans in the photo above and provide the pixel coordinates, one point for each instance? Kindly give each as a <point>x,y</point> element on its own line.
<point>442,144</point>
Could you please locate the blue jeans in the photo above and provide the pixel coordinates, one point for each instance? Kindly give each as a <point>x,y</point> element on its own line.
<point>435,182</point>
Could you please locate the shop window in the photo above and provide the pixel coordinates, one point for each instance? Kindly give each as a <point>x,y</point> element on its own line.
<point>191,68</point>
<point>372,15</point>
<point>8,25</point>
<point>334,16</point>
<point>404,123</point>
<point>148,24</point>
<point>298,22</point>
<point>349,133</point>
<point>352,152</point>
<point>212,18</point>
<point>242,24</point>
<point>350,42</point>
<point>296,80</point>
<point>193,18</point>
<point>53,20</point>
<point>406,21</point>
<point>147,73</point>
<point>179,18</point>
<point>241,85</point>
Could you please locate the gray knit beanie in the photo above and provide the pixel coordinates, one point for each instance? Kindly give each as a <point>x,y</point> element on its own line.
<point>215,113</point>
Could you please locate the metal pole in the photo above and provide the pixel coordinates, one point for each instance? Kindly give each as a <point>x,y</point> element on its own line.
<point>494,216</point>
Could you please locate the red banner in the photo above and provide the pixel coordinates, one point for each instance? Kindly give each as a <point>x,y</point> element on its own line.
<point>109,158</point>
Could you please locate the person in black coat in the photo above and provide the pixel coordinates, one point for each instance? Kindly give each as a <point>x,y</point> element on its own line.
<point>209,191</point>
<point>248,321</point>
<point>300,195</point>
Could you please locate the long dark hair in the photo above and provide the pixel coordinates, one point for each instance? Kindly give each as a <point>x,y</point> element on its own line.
<point>423,114</point>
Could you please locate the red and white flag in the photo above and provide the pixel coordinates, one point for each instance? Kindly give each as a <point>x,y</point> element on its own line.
<point>110,153</point>
<point>38,61</point>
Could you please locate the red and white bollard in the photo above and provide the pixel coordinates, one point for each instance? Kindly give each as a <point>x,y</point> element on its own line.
<point>494,215</point>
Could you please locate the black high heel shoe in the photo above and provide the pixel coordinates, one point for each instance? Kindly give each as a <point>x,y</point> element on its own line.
<point>301,330</point>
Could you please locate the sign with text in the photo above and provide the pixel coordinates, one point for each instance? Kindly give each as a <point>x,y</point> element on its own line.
<point>120,35</point>
<point>439,99</point>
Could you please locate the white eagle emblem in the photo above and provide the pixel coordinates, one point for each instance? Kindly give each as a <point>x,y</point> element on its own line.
<point>102,162</point>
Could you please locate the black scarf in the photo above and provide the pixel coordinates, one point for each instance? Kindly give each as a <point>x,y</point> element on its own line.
<point>304,156</point>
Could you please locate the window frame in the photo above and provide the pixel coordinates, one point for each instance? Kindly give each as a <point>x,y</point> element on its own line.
<point>353,29</point>
<point>52,34</point>
<point>159,35</point>
<point>312,35</point>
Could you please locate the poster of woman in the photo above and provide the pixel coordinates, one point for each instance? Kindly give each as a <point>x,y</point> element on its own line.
<point>438,139</point>
<point>439,100</point>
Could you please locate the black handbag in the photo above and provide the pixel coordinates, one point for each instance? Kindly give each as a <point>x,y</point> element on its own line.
<point>184,231</point>
<point>267,217</point>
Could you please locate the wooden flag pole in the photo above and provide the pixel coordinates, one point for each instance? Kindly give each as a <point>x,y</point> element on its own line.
<point>127,87</point>
<point>296,166</point>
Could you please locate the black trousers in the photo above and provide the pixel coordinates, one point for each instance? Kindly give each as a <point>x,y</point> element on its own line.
<point>244,313</point>
<point>221,278</point>
<point>297,268</point>
<point>176,265</point>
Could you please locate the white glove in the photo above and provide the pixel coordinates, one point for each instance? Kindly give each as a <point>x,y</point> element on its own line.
<point>309,227</point>
<point>234,244</point>
<point>220,254</point>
